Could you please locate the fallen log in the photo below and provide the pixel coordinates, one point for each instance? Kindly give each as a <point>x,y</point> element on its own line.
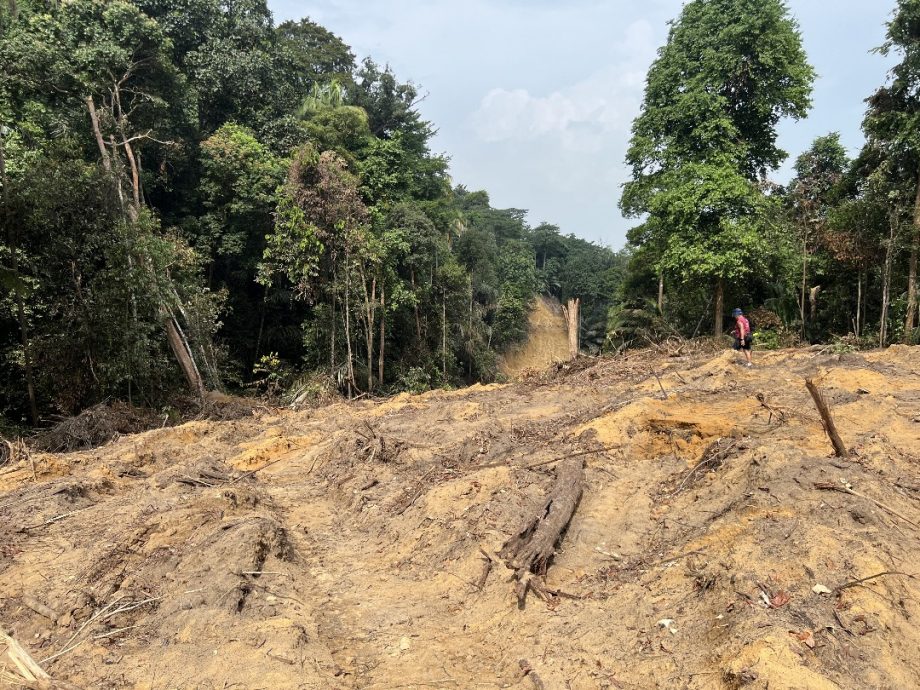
<point>839,448</point>
<point>529,552</point>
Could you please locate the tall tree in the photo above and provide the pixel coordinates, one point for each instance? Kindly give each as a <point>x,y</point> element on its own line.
<point>706,136</point>
<point>812,193</point>
<point>892,126</point>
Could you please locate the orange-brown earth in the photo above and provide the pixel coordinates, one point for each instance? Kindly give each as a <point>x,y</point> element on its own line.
<point>339,547</point>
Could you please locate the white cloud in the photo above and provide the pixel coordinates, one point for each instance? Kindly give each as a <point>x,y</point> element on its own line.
<point>533,99</point>
<point>601,105</point>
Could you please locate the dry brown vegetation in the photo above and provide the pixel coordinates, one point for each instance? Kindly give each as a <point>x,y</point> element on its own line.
<point>717,543</point>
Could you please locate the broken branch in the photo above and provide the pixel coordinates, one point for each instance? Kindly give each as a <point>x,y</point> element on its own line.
<point>856,583</point>
<point>845,489</point>
<point>839,448</point>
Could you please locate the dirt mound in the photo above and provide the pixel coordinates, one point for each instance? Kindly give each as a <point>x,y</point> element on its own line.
<point>718,543</point>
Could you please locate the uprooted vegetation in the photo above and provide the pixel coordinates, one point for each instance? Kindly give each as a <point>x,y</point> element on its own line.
<point>714,541</point>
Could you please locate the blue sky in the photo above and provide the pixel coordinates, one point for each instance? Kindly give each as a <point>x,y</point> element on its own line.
<point>533,99</point>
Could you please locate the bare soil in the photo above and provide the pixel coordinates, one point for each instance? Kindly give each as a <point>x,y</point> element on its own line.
<point>547,342</point>
<point>715,544</point>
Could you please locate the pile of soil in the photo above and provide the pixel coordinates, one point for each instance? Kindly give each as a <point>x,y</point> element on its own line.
<point>718,542</point>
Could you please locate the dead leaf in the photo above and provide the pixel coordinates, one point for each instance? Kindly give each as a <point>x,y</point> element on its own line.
<point>779,600</point>
<point>806,636</point>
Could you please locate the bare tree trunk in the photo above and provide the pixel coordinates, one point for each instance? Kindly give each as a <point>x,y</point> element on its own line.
<point>97,133</point>
<point>910,321</point>
<point>572,314</point>
<point>369,308</point>
<point>113,165</point>
<point>20,302</point>
<point>183,353</point>
<point>258,350</point>
<point>804,283</point>
<point>335,296</point>
<point>118,166</point>
<point>418,322</point>
<point>351,368</point>
<point>14,10</point>
<point>661,292</point>
<point>886,280</point>
<point>531,549</point>
<point>717,313</point>
<point>859,291</point>
<point>140,176</point>
<point>383,336</point>
<point>135,179</point>
<point>469,334</point>
<point>444,335</point>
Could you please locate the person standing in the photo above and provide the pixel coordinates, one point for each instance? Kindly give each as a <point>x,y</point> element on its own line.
<point>744,340</point>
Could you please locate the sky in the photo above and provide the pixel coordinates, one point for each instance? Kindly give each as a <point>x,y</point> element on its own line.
<point>533,99</point>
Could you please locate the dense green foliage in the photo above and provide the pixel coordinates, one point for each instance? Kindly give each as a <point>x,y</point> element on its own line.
<point>193,196</point>
<point>832,253</point>
<point>706,138</point>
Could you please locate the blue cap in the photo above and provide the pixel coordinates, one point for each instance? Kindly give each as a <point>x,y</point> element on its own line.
<point>737,312</point>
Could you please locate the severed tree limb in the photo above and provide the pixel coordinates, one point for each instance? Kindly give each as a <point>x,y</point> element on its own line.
<point>856,583</point>
<point>530,551</point>
<point>845,489</point>
<point>839,448</point>
<point>32,674</point>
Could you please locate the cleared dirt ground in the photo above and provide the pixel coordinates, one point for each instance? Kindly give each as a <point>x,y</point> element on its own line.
<point>702,553</point>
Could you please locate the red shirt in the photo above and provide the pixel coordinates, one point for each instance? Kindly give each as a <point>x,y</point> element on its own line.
<point>742,327</point>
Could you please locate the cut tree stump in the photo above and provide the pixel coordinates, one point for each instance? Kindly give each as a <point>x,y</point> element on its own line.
<point>529,552</point>
<point>572,314</point>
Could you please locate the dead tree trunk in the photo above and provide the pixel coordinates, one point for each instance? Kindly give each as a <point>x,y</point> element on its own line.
<point>530,551</point>
<point>839,448</point>
<point>571,313</point>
